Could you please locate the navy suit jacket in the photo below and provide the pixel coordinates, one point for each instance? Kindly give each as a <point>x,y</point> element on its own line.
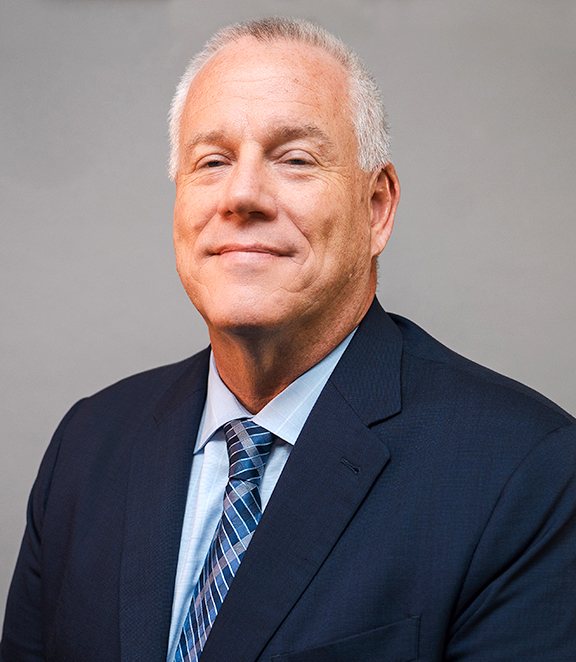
<point>427,512</point>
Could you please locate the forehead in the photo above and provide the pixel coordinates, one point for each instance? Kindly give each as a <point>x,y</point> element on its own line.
<point>253,81</point>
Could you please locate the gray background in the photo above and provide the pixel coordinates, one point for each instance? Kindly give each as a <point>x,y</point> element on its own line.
<point>481,97</point>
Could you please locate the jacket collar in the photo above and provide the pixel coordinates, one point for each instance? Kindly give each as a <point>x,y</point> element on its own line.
<point>159,475</point>
<point>368,375</point>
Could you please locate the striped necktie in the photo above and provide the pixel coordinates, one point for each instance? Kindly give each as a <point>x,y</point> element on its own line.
<point>249,446</point>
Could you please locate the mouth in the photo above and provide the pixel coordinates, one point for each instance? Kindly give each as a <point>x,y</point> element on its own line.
<point>251,248</point>
<point>248,252</point>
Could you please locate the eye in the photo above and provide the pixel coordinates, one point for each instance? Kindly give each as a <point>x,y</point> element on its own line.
<point>212,161</point>
<point>297,158</point>
<point>297,161</point>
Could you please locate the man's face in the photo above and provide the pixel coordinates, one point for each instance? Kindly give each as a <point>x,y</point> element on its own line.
<point>272,222</point>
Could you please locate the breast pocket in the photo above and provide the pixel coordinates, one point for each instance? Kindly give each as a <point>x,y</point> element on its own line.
<point>397,642</point>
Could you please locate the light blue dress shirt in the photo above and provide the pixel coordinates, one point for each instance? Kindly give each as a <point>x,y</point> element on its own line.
<point>284,416</point>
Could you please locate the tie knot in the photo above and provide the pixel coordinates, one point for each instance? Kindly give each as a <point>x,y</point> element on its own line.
<point>249,446</point>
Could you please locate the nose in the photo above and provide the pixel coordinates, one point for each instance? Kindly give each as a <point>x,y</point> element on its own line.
<point>247,191</point>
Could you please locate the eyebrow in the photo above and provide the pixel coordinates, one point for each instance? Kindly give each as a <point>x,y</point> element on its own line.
<point>278,135</point>
<point>286,133</point>
<point>204,137</point>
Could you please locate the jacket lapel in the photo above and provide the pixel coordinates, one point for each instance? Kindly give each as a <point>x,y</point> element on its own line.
<point>331,468</point>
<point>156,500</point>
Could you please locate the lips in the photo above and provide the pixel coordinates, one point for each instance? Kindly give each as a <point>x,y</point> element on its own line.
<point>249,248</point>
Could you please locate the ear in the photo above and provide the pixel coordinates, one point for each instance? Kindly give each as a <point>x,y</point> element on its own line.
<point>385,198</point>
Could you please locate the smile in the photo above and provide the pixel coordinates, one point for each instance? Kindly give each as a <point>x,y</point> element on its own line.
<point>248,254</point>
<point>255,249</point>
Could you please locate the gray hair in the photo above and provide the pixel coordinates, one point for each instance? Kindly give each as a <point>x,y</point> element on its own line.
<point>369,116</point>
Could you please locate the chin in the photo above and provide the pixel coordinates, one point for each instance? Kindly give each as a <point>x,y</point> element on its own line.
<point>246,325</point>
<point>242,315</point>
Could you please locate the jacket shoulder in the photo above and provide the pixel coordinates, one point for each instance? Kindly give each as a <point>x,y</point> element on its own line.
<point>142,395</point>
<point>455,379</point>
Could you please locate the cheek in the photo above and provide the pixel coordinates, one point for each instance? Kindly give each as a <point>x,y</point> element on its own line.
<point>188,224</point>
<point>193,206</point>
<point>185,237</point>
<point>182,243</point>
<point>333,229</point>
<point>184,214</point>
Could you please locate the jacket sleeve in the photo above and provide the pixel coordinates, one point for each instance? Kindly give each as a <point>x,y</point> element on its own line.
<point>22,634</point>
<point>518,603</point>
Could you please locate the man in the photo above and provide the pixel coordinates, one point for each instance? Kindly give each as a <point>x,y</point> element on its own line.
<point>415,506</point>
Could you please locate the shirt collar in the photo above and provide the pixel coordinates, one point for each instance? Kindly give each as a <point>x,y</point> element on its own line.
<point>284,416</point>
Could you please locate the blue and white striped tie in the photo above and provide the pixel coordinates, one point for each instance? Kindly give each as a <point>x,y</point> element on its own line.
<point>249,446</point>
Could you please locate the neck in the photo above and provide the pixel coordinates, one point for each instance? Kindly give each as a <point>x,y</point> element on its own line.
<point>257,366</point>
